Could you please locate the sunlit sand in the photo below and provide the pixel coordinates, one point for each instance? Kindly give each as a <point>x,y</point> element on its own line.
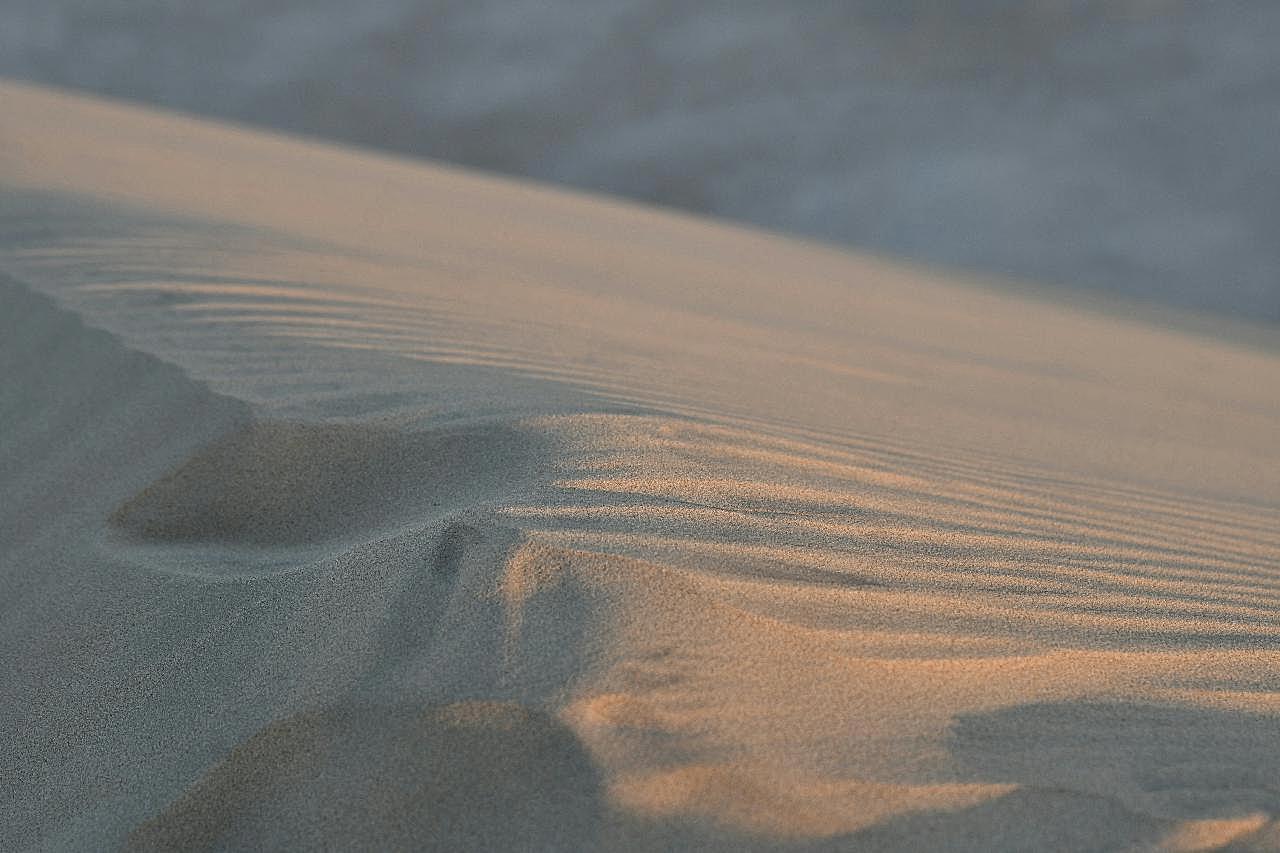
<point>347,500</point>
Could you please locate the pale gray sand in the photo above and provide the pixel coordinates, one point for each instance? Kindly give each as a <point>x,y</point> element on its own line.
<point>347,501</point>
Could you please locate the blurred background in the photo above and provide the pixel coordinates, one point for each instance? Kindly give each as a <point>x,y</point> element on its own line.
<point>1128,145</point>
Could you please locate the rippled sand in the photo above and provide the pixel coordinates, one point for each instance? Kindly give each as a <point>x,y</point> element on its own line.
<point>349,501</point>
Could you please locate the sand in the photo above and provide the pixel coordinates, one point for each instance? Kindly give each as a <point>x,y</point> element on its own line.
<point>352,502</point>
<point>1113,145</point>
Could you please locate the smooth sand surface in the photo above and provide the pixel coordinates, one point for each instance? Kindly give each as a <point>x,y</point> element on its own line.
<point>348,502</point>
<point>1120,145</point>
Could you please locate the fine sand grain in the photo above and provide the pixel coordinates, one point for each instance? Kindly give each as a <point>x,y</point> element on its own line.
<point>355,503</point>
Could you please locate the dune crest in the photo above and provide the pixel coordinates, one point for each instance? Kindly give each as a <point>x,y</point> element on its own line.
<point>350,500</point>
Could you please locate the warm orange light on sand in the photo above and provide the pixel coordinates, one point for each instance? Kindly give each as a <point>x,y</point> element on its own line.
<point>379,503</point>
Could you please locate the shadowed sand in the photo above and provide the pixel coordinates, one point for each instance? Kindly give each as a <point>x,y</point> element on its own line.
<point>468,775</point>
<point>291,483</point>
<point>352,502</point>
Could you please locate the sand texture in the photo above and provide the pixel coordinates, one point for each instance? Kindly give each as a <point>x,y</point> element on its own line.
<point>348,502</point>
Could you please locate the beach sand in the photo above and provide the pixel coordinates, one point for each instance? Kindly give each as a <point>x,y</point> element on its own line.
<point>352,502</point>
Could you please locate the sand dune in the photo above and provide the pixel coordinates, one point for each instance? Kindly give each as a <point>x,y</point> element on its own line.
<point>347,501</point>
<point>1110,145</point>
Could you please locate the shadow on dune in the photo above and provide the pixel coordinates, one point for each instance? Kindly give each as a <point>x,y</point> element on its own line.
<point>1105,776</point>
<point>1183,762</point>
<point>466,776</point>
<point>80,412</point>
<point>1020,821</point>
<point>1094,777</point>
<point>274,483</point>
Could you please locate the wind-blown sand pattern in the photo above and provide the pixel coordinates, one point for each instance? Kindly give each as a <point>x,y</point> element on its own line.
<point>351,502</point>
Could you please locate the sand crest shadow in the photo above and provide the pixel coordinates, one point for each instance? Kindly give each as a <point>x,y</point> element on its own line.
<point>465,776</point>
<point>284,483</point>
<point>1107,776</point>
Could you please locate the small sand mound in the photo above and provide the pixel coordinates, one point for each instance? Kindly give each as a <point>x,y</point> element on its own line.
<point>275,483</point>
<point>470,775</point>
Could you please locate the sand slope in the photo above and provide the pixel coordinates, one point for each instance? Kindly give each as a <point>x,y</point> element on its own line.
<point>1111,145</point>
<point>352,502</point>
